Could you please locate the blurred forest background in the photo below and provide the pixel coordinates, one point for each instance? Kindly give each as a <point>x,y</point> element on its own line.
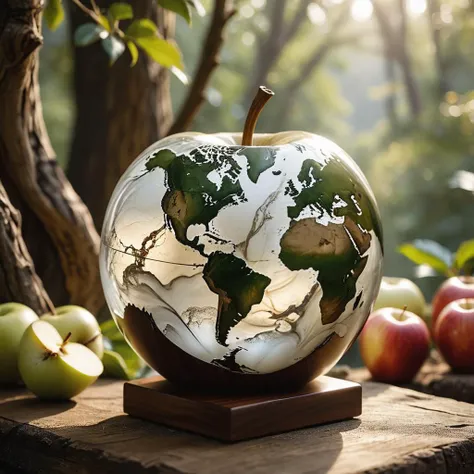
<point>391,81</point>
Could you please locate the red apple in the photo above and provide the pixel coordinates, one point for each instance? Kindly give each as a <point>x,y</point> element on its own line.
<point>452,289</point>
<point>394,344</point>
<point>454,334</point>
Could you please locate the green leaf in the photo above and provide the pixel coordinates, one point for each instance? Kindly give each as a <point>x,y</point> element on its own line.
<point>114,47</point>
<point>120,11</point>
<point>180,7</point>
<point>198,6</point>
<point>89,33</point>
<point>161,51</point>
<point>133,52</point>
<point>105,22</point>
<point>464,255</point>
<point>428,252</point>
<point>468,267</point>
<point>180,75</point>
<point>110,330</point>
<point>141,29</point>
<point>132,360</point>
<point>116,343</point>
<point>54,14</point>
<point>115,366</point>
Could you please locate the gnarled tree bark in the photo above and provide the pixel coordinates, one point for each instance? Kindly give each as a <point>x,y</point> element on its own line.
<point>18,279</point>
<point>57,227</point>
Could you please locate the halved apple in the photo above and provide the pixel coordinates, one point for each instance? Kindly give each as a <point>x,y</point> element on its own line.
<point>52,367</point>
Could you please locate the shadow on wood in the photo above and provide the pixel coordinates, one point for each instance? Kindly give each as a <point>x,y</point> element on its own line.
<point>32,409</point>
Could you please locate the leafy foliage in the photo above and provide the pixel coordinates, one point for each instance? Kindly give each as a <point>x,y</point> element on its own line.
<point>428,252</point>
<point>115,366</point>
<point>89,33</point>
<point>120,11</point>
<point>180,7</point>
<point>113,47</point>
<point>54,14</point>
<point>142,33</point>
<point>120,361</point>
<point>439,258</point>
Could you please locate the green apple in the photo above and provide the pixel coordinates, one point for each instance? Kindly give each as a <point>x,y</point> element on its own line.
<point>52,367</point>
<point>14,319</point>
<point>82,325</point>
<point>400,293</point>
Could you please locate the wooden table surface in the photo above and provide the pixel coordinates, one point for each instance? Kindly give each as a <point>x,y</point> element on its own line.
<point>399,431</point>
<point>436,378</point>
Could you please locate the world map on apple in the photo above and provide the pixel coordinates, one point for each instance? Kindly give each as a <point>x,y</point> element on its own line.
<point>248,258</point>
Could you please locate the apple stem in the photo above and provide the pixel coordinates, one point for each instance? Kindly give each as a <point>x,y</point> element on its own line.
<point>261,98</point>
<point>66,339</point>
<point>92,339</point>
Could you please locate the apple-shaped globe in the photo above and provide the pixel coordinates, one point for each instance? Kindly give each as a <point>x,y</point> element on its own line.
<point>236,267</point>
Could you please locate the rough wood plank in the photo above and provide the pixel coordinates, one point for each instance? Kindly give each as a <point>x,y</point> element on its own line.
<point>400,431</point>
<point>436,378</point>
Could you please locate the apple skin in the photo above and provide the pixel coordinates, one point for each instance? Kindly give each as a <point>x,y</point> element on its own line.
<point>52,369</point>
<point>454,334</point>
<point>82,325</point>
<point>452,289</point>
<point>394,344</point>
<point>14,319</point>
<point>400,293</point>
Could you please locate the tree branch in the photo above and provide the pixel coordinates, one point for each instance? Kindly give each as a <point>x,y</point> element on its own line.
<point>268,49</point>
<point>223,11</point>
<point>297,20</point>
<point>411,88</point>
<point>320,53</point>
<point>432,12</point>
<point>395,45</point>
<point>385,27</point>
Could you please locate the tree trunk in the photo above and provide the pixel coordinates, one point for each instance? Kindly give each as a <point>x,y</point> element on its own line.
<point>440,64</point>
<point>269,48</point>
<point>18,279</point>
<point>395,46</point>
<point>391,99</point>
<point>411,88</point>
<point>57,228</point>
<point>120,110</point>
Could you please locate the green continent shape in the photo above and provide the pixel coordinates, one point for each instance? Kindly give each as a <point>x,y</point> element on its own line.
<point>331,251</point>
<point>321,183</point>
<point>334,250</point>
<point>162,159</point>
<point>238,287</point>
<point>192,198</point>
<point>259,160</point>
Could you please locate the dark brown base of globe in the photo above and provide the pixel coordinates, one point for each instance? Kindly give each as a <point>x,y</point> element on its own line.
<point>239,417</point>
<point>185,371</point>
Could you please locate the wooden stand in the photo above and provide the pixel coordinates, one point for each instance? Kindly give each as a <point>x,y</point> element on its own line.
<point>227,418</point>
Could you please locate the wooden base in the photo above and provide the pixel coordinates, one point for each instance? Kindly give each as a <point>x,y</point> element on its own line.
<point>323,400</point>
